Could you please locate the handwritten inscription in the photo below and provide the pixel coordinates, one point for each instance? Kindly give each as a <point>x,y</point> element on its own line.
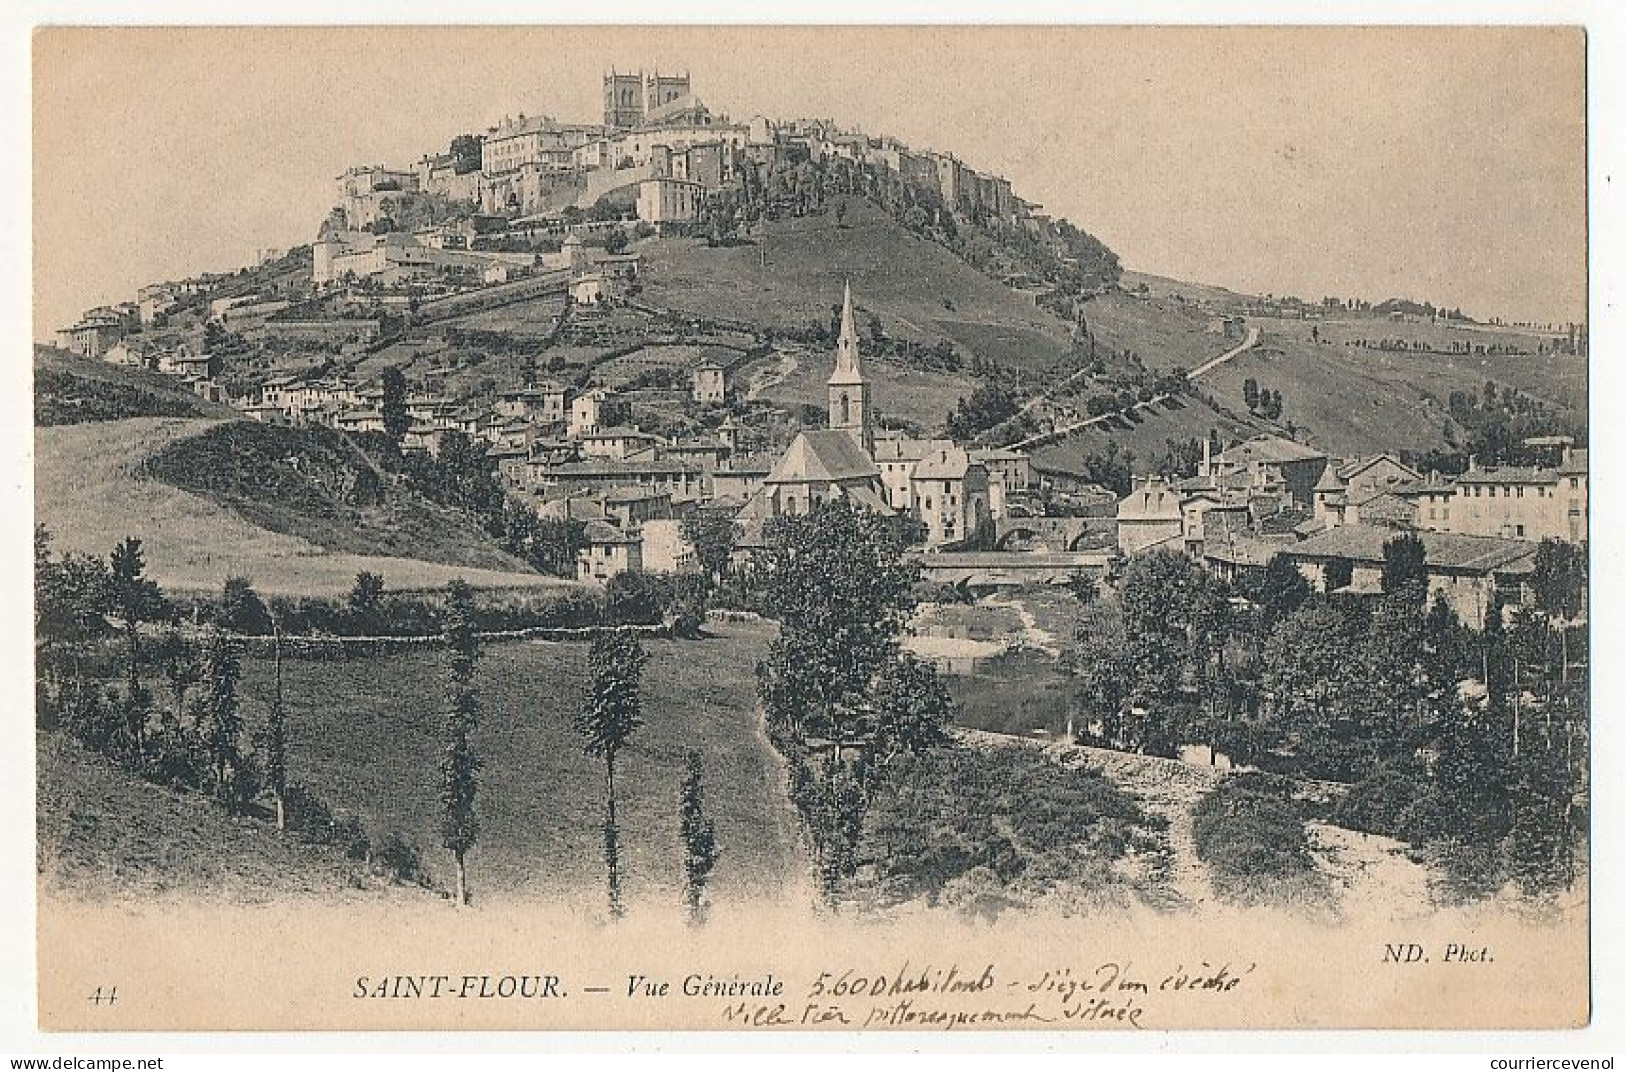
<point>946,997</point>
<point>906,996</point>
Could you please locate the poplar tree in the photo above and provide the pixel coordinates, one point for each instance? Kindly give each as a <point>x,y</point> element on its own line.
<point>276,735</point>
<point>459,765</point>
<point>610,713</point>
<point>222,737</point>
<point>699,840</point>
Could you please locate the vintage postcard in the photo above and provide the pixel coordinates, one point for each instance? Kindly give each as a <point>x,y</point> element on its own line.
<point>759,528</point>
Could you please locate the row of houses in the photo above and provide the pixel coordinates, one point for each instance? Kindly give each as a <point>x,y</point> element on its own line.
<point>1268,496</point>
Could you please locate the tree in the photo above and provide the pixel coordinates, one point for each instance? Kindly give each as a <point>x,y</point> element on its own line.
<point>1308,678</point>
<point>1280,590</point>
<point>365,600</point>
<point>712,534</point>
<point>275,741</point>
<point>1174,617</point>
<point>988,405</point>
<point>1559,584</point>
<point>224,721</point>
<point>396,419</point>
<point>466,152</point>
<point>912,710</point>
<point>1249,393</point>
<point>610,714</point>
<point>699,839</point>
<point>72,595</point>
<point>837,580</point>
<point>1337,573</point>
<point>459,765</point>
<point>137,599</point>
<point>1100,691</point>
<point>1404,562</point>
<point>241,609</point>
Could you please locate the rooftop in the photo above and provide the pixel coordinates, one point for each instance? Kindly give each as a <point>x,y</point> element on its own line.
<point>822,455</point>
<point>1509,474</point>
<point>1270,448</point>
<point>943,465</point>
<point>1442,550</point>
<point>601,532</point>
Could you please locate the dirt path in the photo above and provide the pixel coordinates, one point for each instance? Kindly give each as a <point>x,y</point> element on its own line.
<point>1208,366</point>
<point>772,377</point>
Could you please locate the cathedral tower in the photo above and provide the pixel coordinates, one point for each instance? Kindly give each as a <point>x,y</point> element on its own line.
<point>848,390</point>
<point>623,100</point>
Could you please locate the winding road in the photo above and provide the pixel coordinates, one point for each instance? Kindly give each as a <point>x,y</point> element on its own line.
<point>1055,435</point>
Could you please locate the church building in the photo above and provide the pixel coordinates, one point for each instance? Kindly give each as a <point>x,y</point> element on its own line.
<point>939,485</point>
<point>824,464</point>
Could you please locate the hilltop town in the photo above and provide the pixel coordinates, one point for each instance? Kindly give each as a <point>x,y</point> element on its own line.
<point>539,214</point>
<point>622,367</point>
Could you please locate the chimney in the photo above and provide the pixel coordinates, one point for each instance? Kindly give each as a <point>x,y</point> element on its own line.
<point>1472,463</point>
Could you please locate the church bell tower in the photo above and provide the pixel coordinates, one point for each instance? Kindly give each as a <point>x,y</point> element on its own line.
<point>848,390</point>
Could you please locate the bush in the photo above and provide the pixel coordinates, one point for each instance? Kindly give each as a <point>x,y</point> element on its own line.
<point>1250,834</point>
<point>1383,802</point>
<point>397,859</point>
<point>1010,814</point>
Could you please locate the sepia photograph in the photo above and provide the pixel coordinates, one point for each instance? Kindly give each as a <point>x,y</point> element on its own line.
<point>751,528</point>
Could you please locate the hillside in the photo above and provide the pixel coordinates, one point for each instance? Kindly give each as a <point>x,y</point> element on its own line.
<point>316,484</point>
<point>90,490</point>
<point>1147,430</point>
<point>916,287</point>
<point>1356,398</point>
<point>70,389</point>
<point>104,835</point>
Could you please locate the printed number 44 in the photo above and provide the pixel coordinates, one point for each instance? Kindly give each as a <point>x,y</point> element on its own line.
<point>104,995</point>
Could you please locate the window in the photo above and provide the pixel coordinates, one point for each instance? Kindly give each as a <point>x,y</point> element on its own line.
<point>1520,531</point>
<point>1520,491</point>
<point>846,409</point>
<point>1574,483</point>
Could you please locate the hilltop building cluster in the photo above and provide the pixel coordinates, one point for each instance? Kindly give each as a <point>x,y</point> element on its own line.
<point>536,207</point>
<point>656,158</point>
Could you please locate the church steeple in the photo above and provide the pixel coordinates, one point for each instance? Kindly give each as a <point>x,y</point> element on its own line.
<point>847,368</point>
<point>848,390</point>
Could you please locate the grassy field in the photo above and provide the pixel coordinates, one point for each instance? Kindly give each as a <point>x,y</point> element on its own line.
<point>246,467</point>
<point>917,288</point>
<point>88,490</point>
<point>1360,400</point>
<point>1163,332</point>
<point>1147,436</point>
<point>924,398</point>
<point>365,738</point>
<point>103,834</point>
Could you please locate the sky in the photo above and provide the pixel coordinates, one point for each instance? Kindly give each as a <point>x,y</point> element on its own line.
<point>1445,165</point>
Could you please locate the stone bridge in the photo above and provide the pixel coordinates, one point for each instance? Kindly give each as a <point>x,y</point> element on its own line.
<point>1055,533</point>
